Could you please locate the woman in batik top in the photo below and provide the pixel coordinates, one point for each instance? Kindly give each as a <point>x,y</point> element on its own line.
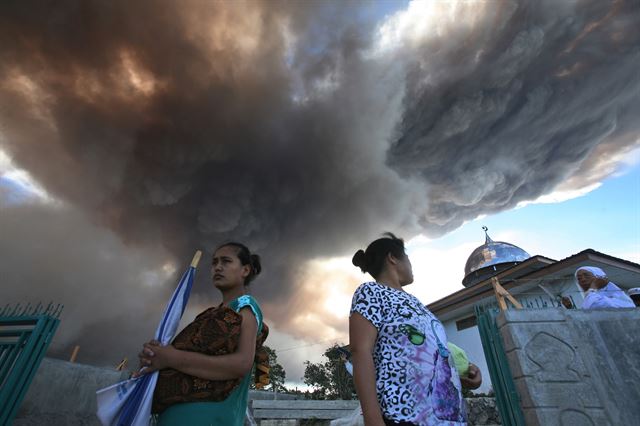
<point>403,371</point>
<point>233,268</point>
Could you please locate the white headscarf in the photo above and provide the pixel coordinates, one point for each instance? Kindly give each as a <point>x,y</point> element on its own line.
<point>597,272</point>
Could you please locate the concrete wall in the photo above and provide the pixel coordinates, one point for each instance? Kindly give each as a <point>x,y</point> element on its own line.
<point>63,393</point>
<point>469,338</point>
<point>574,367</point>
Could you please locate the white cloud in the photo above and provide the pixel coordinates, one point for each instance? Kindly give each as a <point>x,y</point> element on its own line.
<point>22,181</point>
<point>600,166</point>
<point>437,272</point>
<point>424,20</point>
<point>561,195</point>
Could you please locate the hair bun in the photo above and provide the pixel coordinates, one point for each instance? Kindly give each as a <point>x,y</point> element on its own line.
<point>255,264</point>
<point>360,260</point>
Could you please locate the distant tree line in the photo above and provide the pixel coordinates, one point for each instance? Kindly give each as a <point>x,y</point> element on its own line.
<point>329,379</point>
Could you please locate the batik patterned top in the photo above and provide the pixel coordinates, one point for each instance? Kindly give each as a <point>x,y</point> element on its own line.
<point>416,380</point>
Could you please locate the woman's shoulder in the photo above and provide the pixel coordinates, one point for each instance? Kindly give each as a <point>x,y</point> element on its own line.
<point>244,301</point>
<point>365,285</point>
<point>372,292</point>
<point>367,290</point>
<point>369,286</point>
<point>375,289</point>
<point>248,301</point>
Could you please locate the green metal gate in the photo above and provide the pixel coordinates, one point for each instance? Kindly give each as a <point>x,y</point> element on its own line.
<point>507,398</point>
<point>25,334</point>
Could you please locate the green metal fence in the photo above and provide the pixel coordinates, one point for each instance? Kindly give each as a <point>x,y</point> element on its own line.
<point>25,334</point>
<point>507,398</point>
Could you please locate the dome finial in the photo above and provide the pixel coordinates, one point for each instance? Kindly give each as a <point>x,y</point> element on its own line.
<point>487,239</point>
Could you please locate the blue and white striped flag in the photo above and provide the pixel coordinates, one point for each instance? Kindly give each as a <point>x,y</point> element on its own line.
<point>128,403</point>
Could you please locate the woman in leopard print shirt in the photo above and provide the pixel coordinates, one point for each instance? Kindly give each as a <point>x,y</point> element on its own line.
<point>403,371</point>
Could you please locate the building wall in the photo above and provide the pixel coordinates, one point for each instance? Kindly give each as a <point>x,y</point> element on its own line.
<point>574,367</point>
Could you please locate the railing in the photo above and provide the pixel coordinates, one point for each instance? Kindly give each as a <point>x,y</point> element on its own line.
<point>25,334</point>
<point>507,398</point>
<point>529,301</point>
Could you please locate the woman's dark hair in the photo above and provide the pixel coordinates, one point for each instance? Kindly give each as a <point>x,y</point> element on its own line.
<point>246,258</point>
<point>372,260</point>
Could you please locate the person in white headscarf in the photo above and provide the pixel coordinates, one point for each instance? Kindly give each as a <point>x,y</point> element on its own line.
<point>600,293</point>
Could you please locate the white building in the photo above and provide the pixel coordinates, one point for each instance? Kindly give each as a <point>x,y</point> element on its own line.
<point>526,278</point>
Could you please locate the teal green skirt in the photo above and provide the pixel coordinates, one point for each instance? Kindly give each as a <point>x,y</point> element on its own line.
<point>230,412</point>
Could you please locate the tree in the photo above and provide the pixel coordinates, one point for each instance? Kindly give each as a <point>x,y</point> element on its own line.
<point>330,379</point>
<point>277,374</point>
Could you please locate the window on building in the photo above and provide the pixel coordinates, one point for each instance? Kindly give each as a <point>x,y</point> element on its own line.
<point>467,322</point>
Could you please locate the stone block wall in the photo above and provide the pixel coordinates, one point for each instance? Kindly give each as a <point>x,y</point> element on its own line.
<point>482,411</point>
<point>575,367</point>
<point>63,393</point>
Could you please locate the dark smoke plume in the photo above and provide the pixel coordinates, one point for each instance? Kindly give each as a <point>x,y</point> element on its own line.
<point>518,107</point>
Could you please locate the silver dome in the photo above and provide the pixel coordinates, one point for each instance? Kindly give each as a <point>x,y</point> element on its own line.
<point>491,258</point>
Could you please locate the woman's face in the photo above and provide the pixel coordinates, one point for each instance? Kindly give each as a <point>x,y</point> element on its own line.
<point>584,278</point>
<point>227,270</point>
<point>405,271</point>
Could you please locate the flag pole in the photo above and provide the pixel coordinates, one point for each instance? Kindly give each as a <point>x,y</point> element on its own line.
<point>196,259</point>
<point>74,354</point>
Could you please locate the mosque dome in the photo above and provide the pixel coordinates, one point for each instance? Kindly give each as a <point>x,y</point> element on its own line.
<point>491,258</point>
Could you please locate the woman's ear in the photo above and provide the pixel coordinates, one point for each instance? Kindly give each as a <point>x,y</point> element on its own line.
<point>392,259</point>
<point>246,270</point>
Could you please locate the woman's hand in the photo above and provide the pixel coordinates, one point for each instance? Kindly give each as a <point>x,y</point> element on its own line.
<point>155,357</point>
<point>566,302</point>
<point>473,379</point>
<point>599,283</point>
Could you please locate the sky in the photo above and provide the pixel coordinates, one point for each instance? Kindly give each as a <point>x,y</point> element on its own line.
<point>304,129</point>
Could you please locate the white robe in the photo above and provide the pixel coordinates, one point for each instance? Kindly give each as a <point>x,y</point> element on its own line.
<point>610,296</point>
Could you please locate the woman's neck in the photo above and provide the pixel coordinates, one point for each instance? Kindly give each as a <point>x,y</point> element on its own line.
<point>233,293</point>
<point>389,279</point>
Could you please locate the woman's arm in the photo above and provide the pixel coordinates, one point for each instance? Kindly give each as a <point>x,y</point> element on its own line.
<point>362,338</point>
<point>210,367</point>
<point>595,300</point>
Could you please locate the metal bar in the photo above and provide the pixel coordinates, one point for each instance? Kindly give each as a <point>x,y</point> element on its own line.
<point>8,392</point>
<point>25,334</point>
<point>507,399</point>
<point>10,361</point>
<point>34,359</point>
<point>15,332</point>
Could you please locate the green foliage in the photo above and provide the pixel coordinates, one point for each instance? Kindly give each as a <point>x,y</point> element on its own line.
<point>277,374</point>
<point>330,379</point>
